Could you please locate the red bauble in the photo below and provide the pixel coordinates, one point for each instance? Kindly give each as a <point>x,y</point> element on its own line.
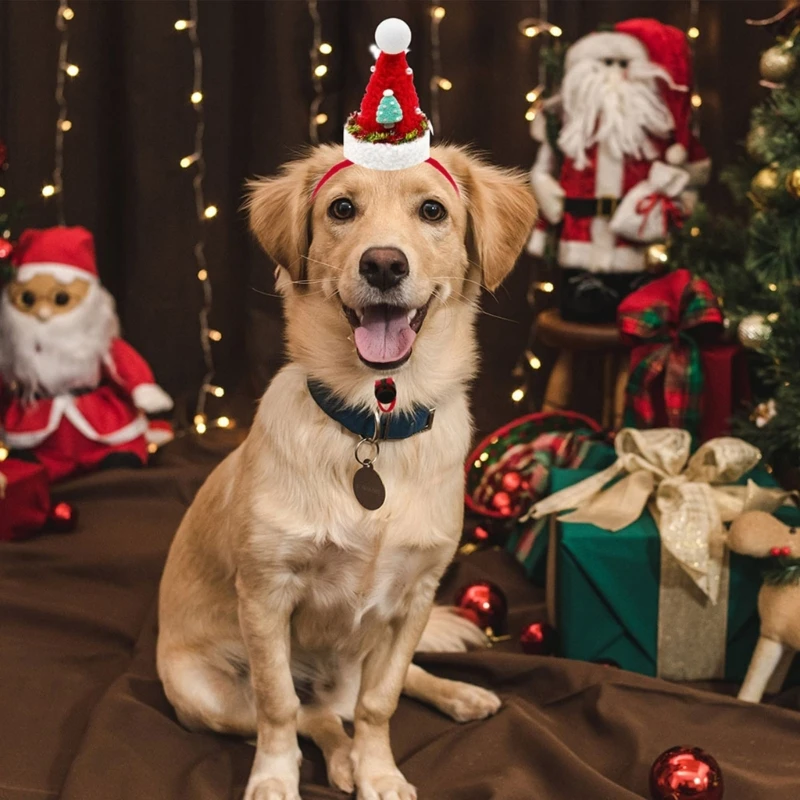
<point>538,639</point>
<point>480,534</point>
<point>686,773</point>
<point>6,249</point>
<point>63,518</point>
<point>484,604</point>
<point>511,481</point>
<point>501,500</point>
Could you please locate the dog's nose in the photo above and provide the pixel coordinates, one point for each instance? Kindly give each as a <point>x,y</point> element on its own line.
<point>383,267</point>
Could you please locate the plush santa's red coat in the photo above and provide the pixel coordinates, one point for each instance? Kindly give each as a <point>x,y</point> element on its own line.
<point>70,432</point>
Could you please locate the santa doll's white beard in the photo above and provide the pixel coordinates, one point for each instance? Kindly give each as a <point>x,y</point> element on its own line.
<point>622,112</point>
<point>65,352</point>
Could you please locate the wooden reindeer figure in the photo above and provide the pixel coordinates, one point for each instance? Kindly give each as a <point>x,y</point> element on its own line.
<point>758,534</point>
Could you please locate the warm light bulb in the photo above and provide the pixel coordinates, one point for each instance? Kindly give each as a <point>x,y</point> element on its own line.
<point>321,119</point>
<point>187,161</point>
<point>65,125</point>
<point>3,453</point>
<point>202,275</point>
<point>215,336</point>
<point>152,448</point>
<point>196,97</point>
<point>772,287</point>
<point>438,12</point>
<point>325,49</point>
<point>530,114</point>
<point>532,95</point>
<point>201,427</point>
<point>223,422</point>
<point>531,31</point>
<point>48,190</point>
<point>210,212</point>
<point>695,231</point>
<point>518,395</point>
<point>693,32</point>
<point>533,360</point>
<point>199,419</point>
<point>320,70</point>
<point>556,31</point>
<point>697,101</point>
<point>484,456</point>
<point>773,317</point>
<point>72,70</point>
<point>67,13</point>
<point>477,464</point>
<point>217,391</point>
<point>444,84</point>
<point>2,192</point>
<point>546,287</point>
<point>183,24</point>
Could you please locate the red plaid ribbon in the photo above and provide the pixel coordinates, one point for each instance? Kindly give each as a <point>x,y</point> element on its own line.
<point>657,320</point>
<point>670,212</point>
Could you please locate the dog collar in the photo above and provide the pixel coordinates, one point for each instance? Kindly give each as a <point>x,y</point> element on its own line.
<point>363,423</point>
<point>342,164</point>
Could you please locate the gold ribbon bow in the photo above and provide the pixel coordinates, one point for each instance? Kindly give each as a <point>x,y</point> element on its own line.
<point>687,496</point>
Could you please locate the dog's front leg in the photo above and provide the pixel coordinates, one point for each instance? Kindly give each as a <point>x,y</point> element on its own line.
<point>376,774</point>
<point>264,616</point>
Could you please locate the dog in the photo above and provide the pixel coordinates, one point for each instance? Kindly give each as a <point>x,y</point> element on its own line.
<point>279,581</point>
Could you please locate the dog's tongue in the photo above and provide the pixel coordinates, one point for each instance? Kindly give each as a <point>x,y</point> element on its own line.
<point>384,335</point>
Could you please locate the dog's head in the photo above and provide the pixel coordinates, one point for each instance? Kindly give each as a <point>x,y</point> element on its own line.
<point>381,270</point>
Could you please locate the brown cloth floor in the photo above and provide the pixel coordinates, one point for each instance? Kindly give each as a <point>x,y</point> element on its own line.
<point>83,716</point>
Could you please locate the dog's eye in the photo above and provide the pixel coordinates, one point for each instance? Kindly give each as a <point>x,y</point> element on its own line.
<point>342,209</point>
<point>62,298</point>
<point>623,62</point>
<point>28,298</point>
<point>431,211</point>
<point>609,62</point>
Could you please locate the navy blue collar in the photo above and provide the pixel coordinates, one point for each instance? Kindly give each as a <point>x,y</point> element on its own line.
<point>362,423</point>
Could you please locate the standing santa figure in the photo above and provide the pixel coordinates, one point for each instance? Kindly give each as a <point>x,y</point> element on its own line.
<point>624,165</point>
<point>73,395</point>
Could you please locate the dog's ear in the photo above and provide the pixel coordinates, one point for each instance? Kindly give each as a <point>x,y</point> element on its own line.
<point>501,209</point>
<point>280,208</point>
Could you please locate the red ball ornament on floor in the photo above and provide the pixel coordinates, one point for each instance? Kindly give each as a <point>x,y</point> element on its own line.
<point>686,773</point>
<point>63,518</point>
<point>484,604</point>
<point>538,639</point>
<point>511,481</point>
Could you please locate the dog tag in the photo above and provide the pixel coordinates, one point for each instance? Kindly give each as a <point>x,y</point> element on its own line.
<point>368,488</point>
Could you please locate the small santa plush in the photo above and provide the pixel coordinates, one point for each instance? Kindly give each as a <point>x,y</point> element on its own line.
<point>621,164</point>
<point>73,395</point>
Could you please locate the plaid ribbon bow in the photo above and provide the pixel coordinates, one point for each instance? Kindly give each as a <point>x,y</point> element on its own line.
<point>658,320</point>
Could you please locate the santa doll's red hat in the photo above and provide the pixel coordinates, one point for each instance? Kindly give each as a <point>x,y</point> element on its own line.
<point>389,131</point>
<point>64,253</point>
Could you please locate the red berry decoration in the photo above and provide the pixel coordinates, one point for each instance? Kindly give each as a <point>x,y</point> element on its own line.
<point>484,604</point>
<point>686,773</point>
<point>501,501</point>
<point>480,534</point>
<point>538,639</point>
<point>511,481</point>
<point>63,518</point>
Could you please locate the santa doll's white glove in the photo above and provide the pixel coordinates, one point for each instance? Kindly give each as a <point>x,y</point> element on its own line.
<point>644,213</point>
<point>151,398</point>
<point>549,194</point>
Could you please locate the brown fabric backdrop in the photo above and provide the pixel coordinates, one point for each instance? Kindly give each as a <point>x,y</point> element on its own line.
<point>132,123</point>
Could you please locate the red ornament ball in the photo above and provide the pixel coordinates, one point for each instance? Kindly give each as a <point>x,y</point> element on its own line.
<point>6,249</point>
<point>686,773</point>
<point>501,500</point>
<point>484,604</point>
<point>511,481</point>
<point>480,534</point>
<point>63,518</point>
<point>538,639</point>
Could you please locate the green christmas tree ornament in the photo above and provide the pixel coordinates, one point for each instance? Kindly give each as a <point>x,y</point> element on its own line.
<point>389,112</point>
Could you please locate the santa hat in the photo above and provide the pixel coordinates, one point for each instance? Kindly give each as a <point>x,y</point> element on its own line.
<point>64,253</point>
<point>661,44</point>
<point>389,131</point>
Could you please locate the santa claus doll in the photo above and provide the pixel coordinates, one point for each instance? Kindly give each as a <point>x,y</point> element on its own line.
<point>617,164</point>
<point>73,395</point>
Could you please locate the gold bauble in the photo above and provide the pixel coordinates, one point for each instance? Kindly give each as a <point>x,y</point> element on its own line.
<point>765,182</point>
<point>756,144</point>
<point>753,331</point>
<point>777,64</point>
<point>793,183</point>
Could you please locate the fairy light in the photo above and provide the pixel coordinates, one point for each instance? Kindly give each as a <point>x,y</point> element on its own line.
<point>2,192</point>
<point>438,81</point>
<point>518,395</point>
<point>48,190</point>
<point>3,453</point>
<point>773,287</point>
<point>533,360</point>
<point>66,125</point>
<point>223,422</point>
<point>204,212</point>
<point>693,32</point>
<point>319,70</point>
<point>697,101</point>
<point>67,13</point>
<point>484,456</point>
<point>72,70</point>
<point>545,286</point>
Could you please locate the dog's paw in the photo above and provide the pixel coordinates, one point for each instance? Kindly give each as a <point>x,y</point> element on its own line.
<point>274,777</point>
<point>390,786</point>
<point>465,702</point>
<point>340,770</point>
<point>272,789</point>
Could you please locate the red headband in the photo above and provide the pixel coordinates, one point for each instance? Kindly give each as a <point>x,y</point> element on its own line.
<point>342,164</point>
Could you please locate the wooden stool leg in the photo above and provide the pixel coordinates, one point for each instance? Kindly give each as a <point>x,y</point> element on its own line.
<point>623,373</point>
<point>559,384</point>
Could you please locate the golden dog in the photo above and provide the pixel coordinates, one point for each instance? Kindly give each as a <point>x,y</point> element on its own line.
<point>278,579</point>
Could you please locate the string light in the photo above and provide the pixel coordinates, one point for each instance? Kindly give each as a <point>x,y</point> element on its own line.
<point>318,71</point>
<point>48,190</point>
<point>438,82</point>
<point>773,287</point>
<point>484,456</point>
<point>518,395</point>
<point>534,94</point>
<point>72,70</point>
<point>223,422</point>
<point>693,32</point>
<point>2,192</point>
<point>203,212</point>
<point>697,101</point>
<point>533,26</point>
<point>545,286</point>
<point>533,360</point>
<point>695,231</point>
<point>67,13</point>
<point>3,453</point>
<point>66,125</point>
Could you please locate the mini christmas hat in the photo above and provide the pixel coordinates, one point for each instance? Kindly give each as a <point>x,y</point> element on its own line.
<point>65,253</point>
<point>389,131</point>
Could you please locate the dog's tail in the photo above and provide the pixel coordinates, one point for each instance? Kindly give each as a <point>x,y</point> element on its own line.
<point>448,632</point>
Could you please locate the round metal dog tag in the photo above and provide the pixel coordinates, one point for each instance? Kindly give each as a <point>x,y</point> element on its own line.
<point>368,488</point>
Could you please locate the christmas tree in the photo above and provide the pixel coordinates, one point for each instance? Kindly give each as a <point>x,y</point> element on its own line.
<point>389,112</point>
<point>755,269</point>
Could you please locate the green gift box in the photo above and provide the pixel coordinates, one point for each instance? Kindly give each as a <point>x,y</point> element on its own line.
<point>604,590</point>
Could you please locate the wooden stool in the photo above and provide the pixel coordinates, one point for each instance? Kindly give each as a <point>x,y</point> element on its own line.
<point>599,341</point>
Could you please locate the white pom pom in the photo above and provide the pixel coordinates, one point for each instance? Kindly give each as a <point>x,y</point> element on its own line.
<point>393,36</point>
<point>676,154</point>
<point>387,92</point>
